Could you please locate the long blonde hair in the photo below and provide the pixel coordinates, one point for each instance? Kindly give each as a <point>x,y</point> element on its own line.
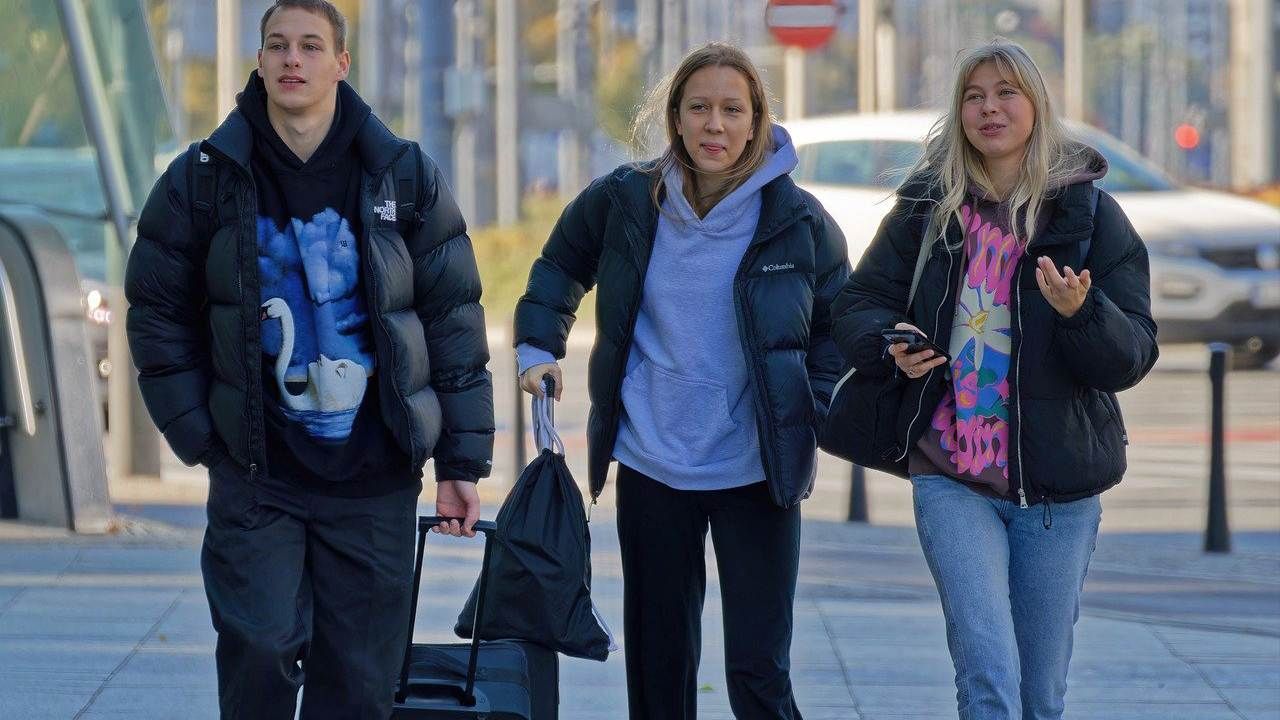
<point>951,165</point>
<point>664,101</point>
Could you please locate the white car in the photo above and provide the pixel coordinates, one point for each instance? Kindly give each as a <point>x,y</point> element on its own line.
<point>1215,257</point>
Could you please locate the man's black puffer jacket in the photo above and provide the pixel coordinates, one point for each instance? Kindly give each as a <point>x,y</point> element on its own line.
<point>1067,438</point>
<point>796,262</point>
<point>193,320</point>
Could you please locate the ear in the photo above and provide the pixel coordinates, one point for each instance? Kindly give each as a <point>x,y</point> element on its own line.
<point>679,128</point>
<point>259,60</point>
<point>344,64</point>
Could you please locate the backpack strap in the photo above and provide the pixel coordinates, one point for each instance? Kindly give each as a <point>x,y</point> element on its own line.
<point>203,190</point>
<point>406,180</point>
<point>926,247</point>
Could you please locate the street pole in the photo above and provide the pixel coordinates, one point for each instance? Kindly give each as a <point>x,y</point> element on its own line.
<point>507,141</point>
<point>466,60</point>
<point>133,442</point>
<point>572,38</point>
<point>886,61</point>
<point>228,55</point>
<point>369,64</point>
<point>868,16</point>
<point>1217,536</point>
<point>1073,23</point>
<point>1253,94</point>
<point>793,71</point>
<point>673,20</point>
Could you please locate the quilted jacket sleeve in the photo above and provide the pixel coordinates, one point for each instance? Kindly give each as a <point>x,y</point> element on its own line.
<point>564,272</point>
<point>447,300</point>
<point>1110,343</point>
<point>165,287</point>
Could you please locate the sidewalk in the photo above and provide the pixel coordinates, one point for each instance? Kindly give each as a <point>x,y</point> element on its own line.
<point>117,627</point>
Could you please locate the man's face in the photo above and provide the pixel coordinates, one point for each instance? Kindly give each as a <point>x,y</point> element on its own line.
<point>297,61</point>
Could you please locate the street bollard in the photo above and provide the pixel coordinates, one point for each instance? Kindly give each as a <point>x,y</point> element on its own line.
<point>858,494</point>
<point>1217,536</point>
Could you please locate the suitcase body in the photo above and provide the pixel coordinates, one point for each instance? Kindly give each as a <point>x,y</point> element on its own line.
<point>494,680</point>
<point>514,681</point>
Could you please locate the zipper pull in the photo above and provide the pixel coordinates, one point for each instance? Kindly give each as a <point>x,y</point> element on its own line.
<point>253,471</point>
<point>1022,499</point>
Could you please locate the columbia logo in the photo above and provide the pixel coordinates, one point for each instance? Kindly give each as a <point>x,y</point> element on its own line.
<point>775,268</point>
<point>387,211</point>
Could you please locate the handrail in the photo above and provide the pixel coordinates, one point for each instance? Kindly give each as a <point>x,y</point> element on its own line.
<point>27,409</point>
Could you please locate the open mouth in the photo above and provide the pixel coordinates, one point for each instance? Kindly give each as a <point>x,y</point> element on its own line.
<point>991,129</point>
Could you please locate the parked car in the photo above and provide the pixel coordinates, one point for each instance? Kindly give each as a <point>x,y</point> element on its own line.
<point>63,182</point>
<point>1215,257</point>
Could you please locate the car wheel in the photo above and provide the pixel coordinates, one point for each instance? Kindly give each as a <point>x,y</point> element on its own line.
<point>1254,356</point>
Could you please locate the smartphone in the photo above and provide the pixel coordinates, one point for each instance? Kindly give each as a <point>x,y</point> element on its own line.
<point>916,341</point>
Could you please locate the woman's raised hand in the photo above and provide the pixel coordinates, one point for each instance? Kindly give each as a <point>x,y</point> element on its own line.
<point>1065,291</point>
<point>531,380</point>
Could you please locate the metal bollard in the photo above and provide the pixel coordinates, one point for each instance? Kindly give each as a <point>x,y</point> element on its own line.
<point>858,494</point>
<point>1217,536</point>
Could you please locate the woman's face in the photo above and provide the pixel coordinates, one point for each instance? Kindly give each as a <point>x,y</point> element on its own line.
<point>714,118</point>
<point>997,117</point>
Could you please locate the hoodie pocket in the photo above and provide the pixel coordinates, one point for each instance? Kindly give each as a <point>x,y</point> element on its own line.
<point>682,419</point>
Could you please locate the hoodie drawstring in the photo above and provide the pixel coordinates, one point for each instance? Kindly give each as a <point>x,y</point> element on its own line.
<point>1048,513</point>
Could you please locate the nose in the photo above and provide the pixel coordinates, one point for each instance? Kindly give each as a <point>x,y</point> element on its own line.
<point>988,105</point>
<point>715,122</point>
<point>292,58</point>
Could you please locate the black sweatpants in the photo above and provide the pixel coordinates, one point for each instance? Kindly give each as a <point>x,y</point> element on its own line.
<point>662,533</point>
<point>306,587</point>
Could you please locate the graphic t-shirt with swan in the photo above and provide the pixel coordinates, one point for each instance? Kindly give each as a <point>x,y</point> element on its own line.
<point>321,410</point>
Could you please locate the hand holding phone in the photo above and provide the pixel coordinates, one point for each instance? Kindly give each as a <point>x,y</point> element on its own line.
<point>915,340</point>
<point>913,352</point>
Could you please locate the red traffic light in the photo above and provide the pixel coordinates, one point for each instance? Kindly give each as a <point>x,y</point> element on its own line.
<point>1187,136</point>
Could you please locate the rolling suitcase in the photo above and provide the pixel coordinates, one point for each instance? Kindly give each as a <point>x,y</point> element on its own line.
<point>494,680</point>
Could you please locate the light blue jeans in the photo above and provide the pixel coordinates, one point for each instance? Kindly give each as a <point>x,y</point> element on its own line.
<point>1010,590</point>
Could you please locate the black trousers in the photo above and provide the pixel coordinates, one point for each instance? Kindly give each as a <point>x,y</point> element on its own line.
<point>662,533</point>
<point>304,587</point>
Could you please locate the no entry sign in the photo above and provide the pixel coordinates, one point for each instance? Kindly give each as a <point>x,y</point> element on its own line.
<point>807,24</point>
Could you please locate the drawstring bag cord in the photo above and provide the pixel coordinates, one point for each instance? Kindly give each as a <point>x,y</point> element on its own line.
<point>1048,512</point>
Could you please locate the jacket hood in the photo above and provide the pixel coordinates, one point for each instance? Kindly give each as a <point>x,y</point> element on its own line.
<point>350,114</point>
<point>377,145</point>
<point>778,162</point>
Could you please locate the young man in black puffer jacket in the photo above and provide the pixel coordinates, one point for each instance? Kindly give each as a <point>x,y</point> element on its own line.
<point>305,318</point>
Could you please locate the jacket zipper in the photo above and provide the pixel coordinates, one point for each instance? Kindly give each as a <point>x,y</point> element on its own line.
<point>1017,383</point>
<point>906,442</point>
<point>621,371</point>
<point>745,335</point>
<point>249,195</point>
<point>371,279</point>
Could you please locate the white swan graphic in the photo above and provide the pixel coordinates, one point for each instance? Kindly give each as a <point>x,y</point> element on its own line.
<point>332,385</point>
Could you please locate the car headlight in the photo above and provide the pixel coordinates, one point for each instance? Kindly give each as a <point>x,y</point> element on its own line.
<point>95,308</point>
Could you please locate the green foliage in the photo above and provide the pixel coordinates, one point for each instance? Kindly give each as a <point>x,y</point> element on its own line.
<point>40,105</point>
<point>619,89</point>
<point>505,255</point>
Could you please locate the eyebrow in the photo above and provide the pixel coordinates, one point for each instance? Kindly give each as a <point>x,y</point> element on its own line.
<point>967,88</point>
<point>308,36</point>
<point>730,99</point>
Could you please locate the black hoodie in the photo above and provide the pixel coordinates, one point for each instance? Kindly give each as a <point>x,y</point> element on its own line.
<point>321,411</point>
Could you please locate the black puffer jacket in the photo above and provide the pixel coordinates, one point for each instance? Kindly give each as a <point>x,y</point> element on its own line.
<point>604,239</point>
<point>1067,438</point>
<point>193,319</point>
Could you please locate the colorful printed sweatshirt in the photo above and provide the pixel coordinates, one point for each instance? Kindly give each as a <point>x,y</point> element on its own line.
<point>968,435</point>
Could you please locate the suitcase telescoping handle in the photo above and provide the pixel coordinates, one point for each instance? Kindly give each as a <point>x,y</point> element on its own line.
<point>466,694</point>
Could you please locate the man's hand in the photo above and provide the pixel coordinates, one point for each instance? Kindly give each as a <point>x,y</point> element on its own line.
<point>454,499</point>
<point>1065,291</point>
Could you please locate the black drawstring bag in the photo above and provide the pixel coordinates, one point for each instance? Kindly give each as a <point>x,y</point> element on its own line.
<point>540,570</point>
